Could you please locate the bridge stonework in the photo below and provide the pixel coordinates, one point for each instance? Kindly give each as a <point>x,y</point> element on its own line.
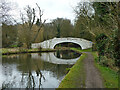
<point>52,42</point>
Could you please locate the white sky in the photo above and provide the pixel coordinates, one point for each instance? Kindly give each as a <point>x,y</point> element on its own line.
<point>52,8</point>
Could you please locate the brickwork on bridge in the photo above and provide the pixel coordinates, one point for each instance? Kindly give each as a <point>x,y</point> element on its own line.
<point>52,42</point>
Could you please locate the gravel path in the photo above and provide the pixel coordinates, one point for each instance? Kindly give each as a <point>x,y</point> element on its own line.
<point>93,78</point>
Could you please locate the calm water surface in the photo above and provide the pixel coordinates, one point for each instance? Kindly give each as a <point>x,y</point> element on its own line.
<point>39,70</point>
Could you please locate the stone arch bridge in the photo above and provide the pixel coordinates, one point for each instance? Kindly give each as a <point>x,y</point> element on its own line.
<point>51,43</point>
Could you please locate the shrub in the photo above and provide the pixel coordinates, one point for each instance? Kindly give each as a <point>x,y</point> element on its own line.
<point>101,41</point>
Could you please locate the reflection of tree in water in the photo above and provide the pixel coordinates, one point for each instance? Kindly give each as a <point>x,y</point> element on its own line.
<point>31,79</point>
<point>27,65</point>
<point>66,54</point>
<point>37,64</point>
<point>39,73</point>
<point>4,85</point>
<point>58,70</point>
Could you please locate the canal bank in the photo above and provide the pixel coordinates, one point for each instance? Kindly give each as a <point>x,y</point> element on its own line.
<point>83,74</point>
<point>76,76</point>
<point>92,73</point>
<point>8,51</point>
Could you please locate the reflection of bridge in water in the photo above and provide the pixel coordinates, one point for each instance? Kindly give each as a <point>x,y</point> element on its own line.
<point>51,58</point>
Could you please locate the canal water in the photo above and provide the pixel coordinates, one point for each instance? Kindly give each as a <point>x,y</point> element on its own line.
<point>38,70</point>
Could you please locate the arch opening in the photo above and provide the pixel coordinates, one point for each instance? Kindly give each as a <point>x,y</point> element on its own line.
<point>67,45</point>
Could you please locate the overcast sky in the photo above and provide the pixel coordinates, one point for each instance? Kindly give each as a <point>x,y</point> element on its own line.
<point>52,8</point>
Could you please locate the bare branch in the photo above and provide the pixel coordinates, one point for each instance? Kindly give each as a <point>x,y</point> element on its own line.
<point>33,18</point>
<point>38,31</point>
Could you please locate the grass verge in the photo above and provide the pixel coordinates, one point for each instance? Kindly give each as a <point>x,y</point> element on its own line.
<point>8,51</point>
<point>76,76</point>
<point>109,76</point>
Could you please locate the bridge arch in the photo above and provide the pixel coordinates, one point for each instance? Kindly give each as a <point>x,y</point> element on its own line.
<point>80,42</point>
<point>66,43</point>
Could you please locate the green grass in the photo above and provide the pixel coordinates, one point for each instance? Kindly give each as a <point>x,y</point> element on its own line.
<point>110,76</point>
<point>11,50</point>
<point>22,50</point>
<point>76,76</point>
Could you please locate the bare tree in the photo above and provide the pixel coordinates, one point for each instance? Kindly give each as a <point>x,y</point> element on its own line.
<point>39,23</point>
<point>28,23</point>
<point>5,8</point>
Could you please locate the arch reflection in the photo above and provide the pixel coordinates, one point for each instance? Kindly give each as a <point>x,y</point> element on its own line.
<point>52,58</point>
